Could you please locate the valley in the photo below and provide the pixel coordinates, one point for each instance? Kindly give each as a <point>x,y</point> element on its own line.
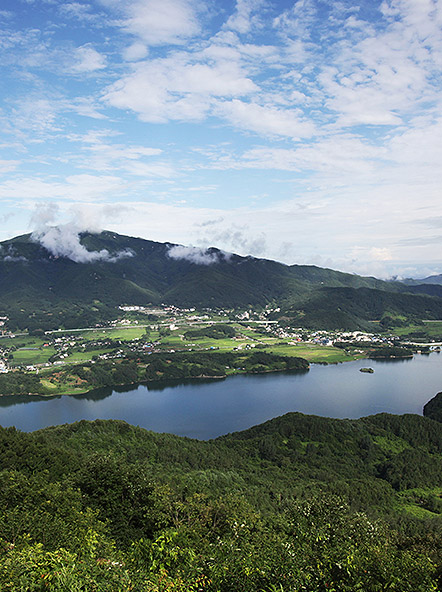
<point>163,342</point>
<point>299,502</point>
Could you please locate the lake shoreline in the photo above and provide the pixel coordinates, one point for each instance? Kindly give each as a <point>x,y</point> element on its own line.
<point>201,377</point>
<point>158,380</point>
<point>206,408</point>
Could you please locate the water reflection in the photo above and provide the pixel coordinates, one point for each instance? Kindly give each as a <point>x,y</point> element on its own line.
<point>11,400</point>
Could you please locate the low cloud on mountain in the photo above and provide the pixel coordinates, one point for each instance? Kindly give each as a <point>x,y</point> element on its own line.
<point>197,255</point>
<point>64,241</point>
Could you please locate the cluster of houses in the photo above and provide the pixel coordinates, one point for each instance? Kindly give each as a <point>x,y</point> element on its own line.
<point>173,317</point>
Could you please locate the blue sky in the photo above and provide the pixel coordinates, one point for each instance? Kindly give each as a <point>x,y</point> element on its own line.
<point>307,132</point>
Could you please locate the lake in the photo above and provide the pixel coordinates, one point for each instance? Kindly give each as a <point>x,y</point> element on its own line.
<point>205,409</point>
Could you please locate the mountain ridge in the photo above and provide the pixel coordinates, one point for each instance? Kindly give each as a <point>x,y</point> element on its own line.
<point>39,273</point>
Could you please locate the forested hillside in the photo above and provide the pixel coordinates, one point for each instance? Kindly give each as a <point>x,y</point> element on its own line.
<point>297,503</point>
<point>42,291</point>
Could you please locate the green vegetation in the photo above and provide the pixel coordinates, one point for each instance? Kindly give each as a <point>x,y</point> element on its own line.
<point>81,378</point>
<point>188,340</point>
<point>433,409</point>
<point>213,332</point>
<point>419,330</point>
<point>353,308</point>
<point>163,366</point>
<point>297,503</point>
<point>315,354</point>
<point>19,383</point>
<point>391,352</point>
<point>39,293</point>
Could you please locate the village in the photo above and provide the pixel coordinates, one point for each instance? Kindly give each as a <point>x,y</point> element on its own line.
<point>140,330</point>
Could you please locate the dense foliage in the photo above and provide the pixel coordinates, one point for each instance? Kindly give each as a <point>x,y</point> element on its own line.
<point>219,331</point>
<point>182,365</point>
<point>19,383</point>
<point>391,352</point>
<point>138,367</point>
<point>297,503</point>
<point>352,308</point>
<point>433,409</point>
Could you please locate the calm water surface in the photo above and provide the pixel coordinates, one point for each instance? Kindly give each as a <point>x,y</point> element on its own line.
<point>206,409</point>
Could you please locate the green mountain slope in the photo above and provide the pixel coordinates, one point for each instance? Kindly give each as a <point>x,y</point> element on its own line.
<point>58,291</point>
<point>297,503</point>
<point>432,279</point>
<point>351,308</point>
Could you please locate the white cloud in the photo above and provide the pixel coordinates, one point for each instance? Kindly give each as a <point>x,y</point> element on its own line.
<point>136,160</point>
<point>381,77</point>
<point>194,255</point>
<point>298,21</point>
<point>266,120</point>
<point>35,114</point>
<point>136,51</point>
<point>330,114</point>
<point>175,88</point>
<point>381,254</point>
<point>64,241</point>
<point>79,188</point>
<point>418,149</point>
<point>159,22</point>
<point>343,156</point>
<point>108,156</point>
<point>79,11</point>
<point>246,15</point>
<point>84,106</point>
<point>239,239</point>
<point>7,166</point>
<point>87,59</point>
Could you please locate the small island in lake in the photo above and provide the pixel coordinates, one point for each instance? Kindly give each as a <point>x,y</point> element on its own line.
<point>367,370</point>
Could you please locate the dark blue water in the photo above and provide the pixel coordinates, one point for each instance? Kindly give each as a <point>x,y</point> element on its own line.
<point>206,409</point>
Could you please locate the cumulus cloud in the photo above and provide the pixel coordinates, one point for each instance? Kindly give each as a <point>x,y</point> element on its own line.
<point>240,239</point>
<point>87,59</point>
<point>245,15</point>
<point>136,51</point>
<point>63,240</point>
<point>196,255</point>
<point>158,22</point>
<point>176,88</point>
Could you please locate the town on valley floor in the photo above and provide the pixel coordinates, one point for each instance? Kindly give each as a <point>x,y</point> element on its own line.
<point>147,330</point>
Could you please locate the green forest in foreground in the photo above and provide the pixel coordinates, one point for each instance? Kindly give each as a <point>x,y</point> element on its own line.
<point>299,503</point>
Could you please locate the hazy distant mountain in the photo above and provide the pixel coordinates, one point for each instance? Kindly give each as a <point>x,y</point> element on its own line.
<point>432,279</point>
<point>78,279</point>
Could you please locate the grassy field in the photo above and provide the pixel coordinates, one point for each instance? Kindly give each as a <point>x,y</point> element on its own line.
<point>429,329</point>
<point>321,354</point>
<point>122,333</point>
<point>21,341</point>
<point>80,356</point>
<point>29,357</point>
